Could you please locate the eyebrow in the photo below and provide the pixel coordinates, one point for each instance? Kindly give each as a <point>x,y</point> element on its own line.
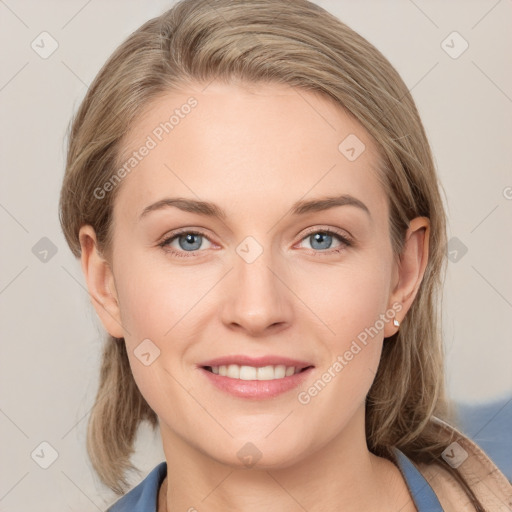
<point>212,210</point>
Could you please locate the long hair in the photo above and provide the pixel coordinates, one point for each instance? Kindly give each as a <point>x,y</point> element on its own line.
<point>269,41</point>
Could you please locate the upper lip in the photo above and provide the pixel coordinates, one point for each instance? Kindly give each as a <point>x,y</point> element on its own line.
<point>243,360</point>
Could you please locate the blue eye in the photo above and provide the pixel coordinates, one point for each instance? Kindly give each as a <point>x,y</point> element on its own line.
<point>324,239</point>
<point>188,241</point>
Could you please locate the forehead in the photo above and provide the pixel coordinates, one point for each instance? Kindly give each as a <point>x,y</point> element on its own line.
<point>246,145</point>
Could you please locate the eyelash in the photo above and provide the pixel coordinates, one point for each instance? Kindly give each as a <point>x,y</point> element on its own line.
<point>347,242</point>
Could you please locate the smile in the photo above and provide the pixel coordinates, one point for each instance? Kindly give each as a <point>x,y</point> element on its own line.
<point>256,378</point>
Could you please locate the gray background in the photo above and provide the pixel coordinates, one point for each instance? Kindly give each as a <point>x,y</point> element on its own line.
<point>51,340</point>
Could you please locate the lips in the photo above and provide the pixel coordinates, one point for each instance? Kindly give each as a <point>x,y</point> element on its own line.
<point>255,377</point>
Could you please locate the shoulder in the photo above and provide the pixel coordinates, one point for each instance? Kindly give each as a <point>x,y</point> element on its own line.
<point>483,477</point>
<point>143,497</point>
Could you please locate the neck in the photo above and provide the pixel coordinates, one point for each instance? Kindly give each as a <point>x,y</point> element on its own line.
<point>342,472</point>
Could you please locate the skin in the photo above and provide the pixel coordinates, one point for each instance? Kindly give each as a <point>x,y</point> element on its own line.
<point>254,151</point>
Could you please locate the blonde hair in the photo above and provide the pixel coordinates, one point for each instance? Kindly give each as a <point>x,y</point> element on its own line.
<point>269,41</point>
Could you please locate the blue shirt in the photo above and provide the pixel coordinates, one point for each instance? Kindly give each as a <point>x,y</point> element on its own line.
<point>144,497</point>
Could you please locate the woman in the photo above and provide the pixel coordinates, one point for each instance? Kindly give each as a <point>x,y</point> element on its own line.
<point>253,198</point>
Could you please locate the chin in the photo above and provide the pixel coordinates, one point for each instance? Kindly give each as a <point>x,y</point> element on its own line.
<point>259,454</point>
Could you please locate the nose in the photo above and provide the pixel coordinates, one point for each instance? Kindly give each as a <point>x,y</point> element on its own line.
<point>256,297</point>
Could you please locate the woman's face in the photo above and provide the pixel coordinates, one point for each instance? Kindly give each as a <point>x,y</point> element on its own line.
<point>268,274</point>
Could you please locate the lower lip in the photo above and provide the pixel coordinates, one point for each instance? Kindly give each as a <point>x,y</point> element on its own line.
<point>257,389</point>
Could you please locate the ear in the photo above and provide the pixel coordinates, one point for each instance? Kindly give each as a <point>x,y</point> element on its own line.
<point>100,282</point>
<point>408,273</point>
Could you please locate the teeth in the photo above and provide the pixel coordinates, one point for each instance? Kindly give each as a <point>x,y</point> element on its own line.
<point>266,373</point>
<point>248,372</point>
<point>235,371</point>
<point>279,371</point>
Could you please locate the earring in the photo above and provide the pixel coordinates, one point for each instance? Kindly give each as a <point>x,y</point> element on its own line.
<point>396,323</point>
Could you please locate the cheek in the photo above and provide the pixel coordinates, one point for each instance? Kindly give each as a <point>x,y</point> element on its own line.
<point>163,302</point>
<point>152,298</point>
<point>351,306</point>
<point>346,300</point>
